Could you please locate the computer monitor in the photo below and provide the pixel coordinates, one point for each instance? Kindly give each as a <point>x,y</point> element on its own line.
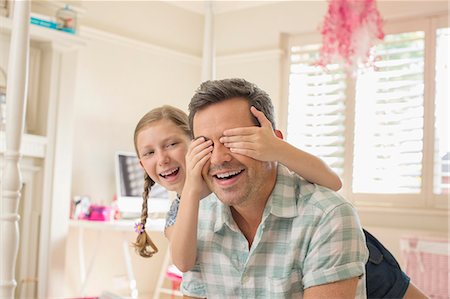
<point>130,185</point>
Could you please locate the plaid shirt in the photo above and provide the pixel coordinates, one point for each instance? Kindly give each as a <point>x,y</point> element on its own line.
<point>308,236</point>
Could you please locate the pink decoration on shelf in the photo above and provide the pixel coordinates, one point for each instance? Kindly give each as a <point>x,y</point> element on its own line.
<point>349,30</point>
<point>100,213</point>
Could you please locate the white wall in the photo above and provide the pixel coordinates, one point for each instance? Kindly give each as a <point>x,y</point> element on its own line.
<point>118,81</point>
<point>154,22</point>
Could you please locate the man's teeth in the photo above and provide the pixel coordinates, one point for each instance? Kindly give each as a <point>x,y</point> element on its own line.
<point>228,174</point>
<point>169,172</point>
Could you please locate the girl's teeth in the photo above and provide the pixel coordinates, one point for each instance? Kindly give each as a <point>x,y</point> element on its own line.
<point>169,172</point>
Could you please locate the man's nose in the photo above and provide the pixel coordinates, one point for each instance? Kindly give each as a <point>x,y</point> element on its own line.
<point>220,154</point>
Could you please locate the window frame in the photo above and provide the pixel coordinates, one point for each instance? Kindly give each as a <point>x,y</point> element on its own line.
<point>426,200</point>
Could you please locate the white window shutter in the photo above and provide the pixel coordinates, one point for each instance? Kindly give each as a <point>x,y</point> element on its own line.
<point>316,112</point>
<point>389,121</point>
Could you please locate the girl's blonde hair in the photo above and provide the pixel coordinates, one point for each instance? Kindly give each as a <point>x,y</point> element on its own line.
<point>144,245</point>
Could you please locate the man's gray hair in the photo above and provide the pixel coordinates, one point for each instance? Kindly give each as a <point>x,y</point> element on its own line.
<point>216,91</point>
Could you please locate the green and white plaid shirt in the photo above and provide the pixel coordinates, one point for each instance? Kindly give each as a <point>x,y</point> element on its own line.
<point>308,236</point>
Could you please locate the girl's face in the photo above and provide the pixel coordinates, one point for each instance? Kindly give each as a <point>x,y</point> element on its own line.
<point>162,147</point>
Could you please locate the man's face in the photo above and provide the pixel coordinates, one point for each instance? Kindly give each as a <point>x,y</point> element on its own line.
<point>234,178</point>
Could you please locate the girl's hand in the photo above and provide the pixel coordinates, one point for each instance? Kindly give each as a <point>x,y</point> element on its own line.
<point>259,143</point>
<point>198,153</point>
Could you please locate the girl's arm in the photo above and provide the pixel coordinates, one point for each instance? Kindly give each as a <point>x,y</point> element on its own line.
<point>183,234</point>
<point>262,143</point>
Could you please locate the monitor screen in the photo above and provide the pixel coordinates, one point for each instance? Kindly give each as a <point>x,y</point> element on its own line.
<point>130,185</point>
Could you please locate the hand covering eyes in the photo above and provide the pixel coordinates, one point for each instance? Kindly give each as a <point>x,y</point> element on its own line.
<point>205,138</point>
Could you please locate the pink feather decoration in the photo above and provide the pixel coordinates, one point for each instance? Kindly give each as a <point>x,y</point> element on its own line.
<point>349,30</point>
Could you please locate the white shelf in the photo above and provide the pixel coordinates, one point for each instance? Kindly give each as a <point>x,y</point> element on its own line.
<point>62,39</point>
<point>33,146</point>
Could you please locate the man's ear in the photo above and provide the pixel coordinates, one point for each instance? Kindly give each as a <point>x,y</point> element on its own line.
<point>279,134</point>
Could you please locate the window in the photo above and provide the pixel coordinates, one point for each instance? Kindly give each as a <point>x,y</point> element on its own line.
<point>389,118</point>
<point>316,111</point>
<point>375,129</point>
<point>442,108</point>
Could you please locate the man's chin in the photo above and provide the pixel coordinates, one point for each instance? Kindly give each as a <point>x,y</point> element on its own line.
<point>227,198</point>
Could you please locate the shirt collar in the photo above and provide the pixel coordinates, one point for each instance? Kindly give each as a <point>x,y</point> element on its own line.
<point>223,216</point>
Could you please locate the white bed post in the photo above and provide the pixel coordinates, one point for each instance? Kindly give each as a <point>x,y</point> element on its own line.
<point>16,92</point>
<point>208,63</point>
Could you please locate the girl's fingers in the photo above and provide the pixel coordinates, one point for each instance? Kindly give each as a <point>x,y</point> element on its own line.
<point>203,160</point>
<point>241,145</point>
<point>246,152</point>
<point>254,137</point>
<point>198,152</point>
<point>199,141</point>
<point>240,138</point>
<point>261,117</point>
<point>202,146</point>
<point>204,152</point>
<point>195,157</point>
<point>246,131</point>
<point>199,145</point>
<point>241,131</point>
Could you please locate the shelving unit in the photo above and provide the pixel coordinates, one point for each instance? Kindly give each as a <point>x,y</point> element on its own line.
<point>46,157</point>
<point>65,41</point>
<point>32,145</point>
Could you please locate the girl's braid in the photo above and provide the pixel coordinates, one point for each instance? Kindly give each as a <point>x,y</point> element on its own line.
<point>143,240</point>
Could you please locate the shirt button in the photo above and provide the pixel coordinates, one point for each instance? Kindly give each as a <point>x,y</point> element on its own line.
<point>245,278</point>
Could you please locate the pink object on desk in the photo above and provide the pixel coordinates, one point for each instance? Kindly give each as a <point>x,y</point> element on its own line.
<point>100,213</point>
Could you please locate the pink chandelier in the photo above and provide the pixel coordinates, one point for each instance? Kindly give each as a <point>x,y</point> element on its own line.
<point>350,29</point>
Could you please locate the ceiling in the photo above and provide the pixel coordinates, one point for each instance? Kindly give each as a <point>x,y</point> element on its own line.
<point>219,6</point>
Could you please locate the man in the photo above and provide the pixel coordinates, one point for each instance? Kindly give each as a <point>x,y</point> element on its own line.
<point>270,234</point>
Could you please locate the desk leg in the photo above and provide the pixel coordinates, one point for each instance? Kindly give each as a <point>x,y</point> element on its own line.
<point>131,279</point>
<point>83,275</point>
<point>81,255</point>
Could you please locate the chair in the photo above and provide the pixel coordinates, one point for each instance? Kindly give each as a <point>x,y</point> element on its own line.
<point>427,264</point>
<point>170,272</point>
<point>175,276</point>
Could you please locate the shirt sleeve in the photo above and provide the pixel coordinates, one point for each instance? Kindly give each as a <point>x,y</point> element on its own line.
<point>172,214</point>
<point>337,250</point>
<point>192,284</point>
